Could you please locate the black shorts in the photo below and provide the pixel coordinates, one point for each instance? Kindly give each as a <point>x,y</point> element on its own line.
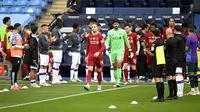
<point>157,70</point>
<point>191,68</point>
<point>171,65</point>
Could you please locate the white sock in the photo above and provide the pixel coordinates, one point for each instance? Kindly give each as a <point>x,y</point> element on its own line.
<point>95,76</point>
<point>86,69</point>
<point>75,74</point>
<point>192,89</point>
<point>197,90</point>
<point>42,75</point>
<point>182,85</point>
<point>55,75</point>
<point>129,72</point>
<point>179,83</point>
<point>112,74</point>
<point>71,74</point>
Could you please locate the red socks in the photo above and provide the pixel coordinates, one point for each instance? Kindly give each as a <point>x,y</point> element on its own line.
<point>88,77</point>
<point>99,78</point>
<point>126,74</point>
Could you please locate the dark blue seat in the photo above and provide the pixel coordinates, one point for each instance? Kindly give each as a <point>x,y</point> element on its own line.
<point>139,20</point>
<point>85,3</point>
<point>159,21</point>
<point>136,3</point>
<point>4,10</point>
<point>101,3</point>
<point>69,20</point>
<point>21,2</point>
<point>15,10</point>
<point>154,3</point>
<point>172,3</point>
<point>101,20</point>
<point>119,3</point>
<point>8,2</point>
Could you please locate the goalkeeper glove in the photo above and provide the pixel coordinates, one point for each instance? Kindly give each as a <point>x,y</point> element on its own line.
<point>130,53</point>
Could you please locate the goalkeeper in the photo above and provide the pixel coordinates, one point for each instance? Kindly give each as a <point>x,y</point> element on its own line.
<point>116,39</point>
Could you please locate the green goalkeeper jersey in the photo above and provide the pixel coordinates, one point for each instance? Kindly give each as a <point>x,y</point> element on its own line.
<point>116,39</point>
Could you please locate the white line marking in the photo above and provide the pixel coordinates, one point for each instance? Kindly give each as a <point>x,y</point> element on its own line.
<point>63,97</point>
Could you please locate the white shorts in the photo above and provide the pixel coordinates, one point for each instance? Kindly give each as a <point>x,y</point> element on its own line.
<point>57,56</point>
<point>76,58</point>
<point>179,70</point>
<point>44,60</point>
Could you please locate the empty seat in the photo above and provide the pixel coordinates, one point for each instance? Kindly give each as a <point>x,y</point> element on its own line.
<point>8,2</point>
<point>154,3</point>
<point>139,20</point>
<point>172,3</point>
<point>130,18</point>
<point>101,3</point>
<point>32,10</point>
<point>21,2</point>
<point>136,3</point>
<point>102,21</point>
<point>119,3</point>
<point>84,3</point>
<point>4,10</point>
<point>35,2</point>
<point>15,10</point>
<point>69,20</point>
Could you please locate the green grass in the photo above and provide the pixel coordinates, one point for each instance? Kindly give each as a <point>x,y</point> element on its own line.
<point>93,102</point>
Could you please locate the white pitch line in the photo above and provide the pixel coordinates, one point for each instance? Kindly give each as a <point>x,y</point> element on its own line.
<point>63,97</point>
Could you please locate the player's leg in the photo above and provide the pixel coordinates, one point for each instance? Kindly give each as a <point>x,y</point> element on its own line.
<point>90,63</point>
<point>56,66</point>
<point>112,78</point>
<point>44,60</point>
<point>86,66</point>
<point>196,83</point>
<point>119,59</point>
<point>179,81</point>
<point>99,66</point>
<point>95,74</point>
<point>77,62</point>
<point>33,75</point>
<point>133,64</point>
<point>125,67</point>
<point>25,67</point>
<point>72,67</point>
<point>13,73</point>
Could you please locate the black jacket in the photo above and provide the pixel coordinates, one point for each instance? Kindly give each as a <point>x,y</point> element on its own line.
<point>75,41</point>
<point>33,44</point>
<point>44,43</point>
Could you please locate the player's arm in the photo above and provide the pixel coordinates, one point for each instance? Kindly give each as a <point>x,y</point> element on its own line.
<point>138,46</point>
<point>102,45</point>
<point>32,48</point>
<point>148,52</point>
<point>74,39</point>
<point>14,41</point>
<point>88,47</point>
<point>107,43</point>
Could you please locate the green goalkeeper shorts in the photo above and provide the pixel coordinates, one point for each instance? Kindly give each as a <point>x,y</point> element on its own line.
<point>117,57</point>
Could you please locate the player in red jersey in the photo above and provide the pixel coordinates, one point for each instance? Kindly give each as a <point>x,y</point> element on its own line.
<point>94,56</point>
<point>135,46</point>
<point>171,25</point>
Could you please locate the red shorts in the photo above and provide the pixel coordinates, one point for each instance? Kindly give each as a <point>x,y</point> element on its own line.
<point>8,53</point>
<point>95,61</point>
<point>51,58</point>
<point>131,61</point>
<point>149,60</point>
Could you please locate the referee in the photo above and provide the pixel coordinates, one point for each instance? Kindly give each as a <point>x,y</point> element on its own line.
<point>157,68</point>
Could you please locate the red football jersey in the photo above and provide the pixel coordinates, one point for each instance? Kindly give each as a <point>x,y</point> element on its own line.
<point>164,37</point>
<point>132,38</point>
<point>149,39</point>
<point>95,44</point>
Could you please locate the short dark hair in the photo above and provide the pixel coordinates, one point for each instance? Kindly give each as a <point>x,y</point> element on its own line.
<point>184,25</point>
<point>5,20</point>
<point>191,28</point>
<point>128,24</point>
<point>172,18</point>
<point>27,27</point>
<point>92,20</point>
<point>34,29</point>
<point>98,24</point>
<point>154,24</point>
<point>115,21</point>
<point>178,28</point>
<point>44,25</point>
<point>156,32</point>
<point>75,25</point>
<point>10,28</point>
<point>144,26</point>
<point>17,25</point>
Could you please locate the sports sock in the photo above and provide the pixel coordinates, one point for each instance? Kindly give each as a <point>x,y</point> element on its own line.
<point>126,74</point>
<point>42,74</point>
<point>88,77</point>
<point>196,83</point>
<point>162,89</point>
<point>170,84</point>
<point>33,81</point>
<point>159,91</point>
<point>115,74</point>
<point>119,73</point>
<point>25,67</point>
<point>95,76</point>
<point>75,74</point>
<point>86,69</point>
<point>112,77</point>
<point>55,74</point>
<point>12,78</point>
<point>179,83</point>
<point>99,78</point>
<point>192,82</point>
<point>175,87</point>
<point>71,73</point>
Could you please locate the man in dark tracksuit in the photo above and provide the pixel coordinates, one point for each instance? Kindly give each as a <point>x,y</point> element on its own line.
<point>44,54</point>
<point>75,52</point>
<point>180,54</point>
<point>33,51</point>
<point>171,64</point>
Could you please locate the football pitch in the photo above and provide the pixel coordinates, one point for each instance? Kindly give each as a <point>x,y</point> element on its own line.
<point>71,97</point>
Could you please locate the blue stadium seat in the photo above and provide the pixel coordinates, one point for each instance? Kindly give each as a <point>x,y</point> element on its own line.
<point>4,10</point>
<point>119,3</point>
<point>35,2</point>
<point>43,5</point>
<point>159,21</point>
<point>85,3</point>
<point>8,2</point>
<point>172,3</point>
<point>101,20</point>
<point>21,2</point>
<point>130,18</point>
<point>136,3</point>
<point>154,3</point>
<point>15,10</point>
<point>101,3</point>
<point>32,10</point>
<point>105,29</point>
